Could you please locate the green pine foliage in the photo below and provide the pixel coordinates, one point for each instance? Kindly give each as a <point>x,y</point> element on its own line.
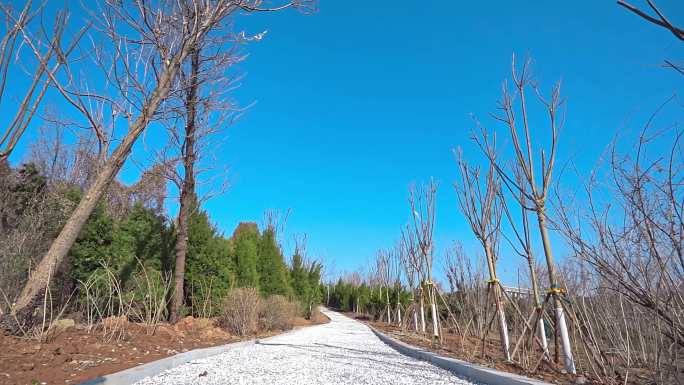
<point>246,238</point>
<point>135,248</point>
<point>300,279</point>
<point>348,296</point>
<point>141,237</point>
<point>305,279</point>
<point>93,247</point>
<point>273,273</point>
<point>209,267</point>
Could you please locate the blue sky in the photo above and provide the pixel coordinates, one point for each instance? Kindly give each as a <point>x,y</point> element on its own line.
<point>355,102</point>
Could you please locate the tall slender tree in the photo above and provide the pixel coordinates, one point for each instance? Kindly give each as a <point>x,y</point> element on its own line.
<point>272,268</point>
<point>422,201</point>
<point>246,238</point>
<point>479,199</point>
<point>535,187</point>
<point>187,195</point>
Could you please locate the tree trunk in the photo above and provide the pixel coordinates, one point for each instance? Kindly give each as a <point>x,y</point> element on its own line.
<point>31,295</point>
<point>398,311</point>
<point>560,316</point>
<point>422,313</point>
<point>538,306</point>
<point>494,285</point>
<point>435,325</point>
<point>187,196</point>
<point>389,314</point>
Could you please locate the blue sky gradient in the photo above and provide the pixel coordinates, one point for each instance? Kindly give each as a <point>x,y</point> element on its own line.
<point>355,102</point>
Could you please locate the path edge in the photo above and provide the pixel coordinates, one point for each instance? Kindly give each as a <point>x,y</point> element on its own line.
<point>132,375</point>
<point>467,370</point>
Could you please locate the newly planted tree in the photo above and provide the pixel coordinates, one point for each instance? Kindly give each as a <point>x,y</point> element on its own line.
<point>479,200</point>
<point>523,247</point>
<point>535,184</point>
<point>414,265</point>
<point>422,201</point>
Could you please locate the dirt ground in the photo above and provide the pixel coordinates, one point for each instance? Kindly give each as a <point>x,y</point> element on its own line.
<point>75,355</point>
<point>451,346</point>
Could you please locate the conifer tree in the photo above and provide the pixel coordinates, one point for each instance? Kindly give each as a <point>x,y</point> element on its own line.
<point>209,271</point>
<point>300,279</point>
<point>271,267</point>
<point>246,239</point>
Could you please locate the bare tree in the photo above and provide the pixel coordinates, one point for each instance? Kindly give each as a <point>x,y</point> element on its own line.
<point>535,187</point>
<point>422,201</point>
<point>629,233</point>
<point>479,200</point>
<point>412,264</point>
<point>150,42</point>
<point>467,292</point>
<point>187,195</point>
<point>204,111</point>
<point>383,276</point>
<point>660,20</point>
<point>52,56</point>
<point>523,247</point>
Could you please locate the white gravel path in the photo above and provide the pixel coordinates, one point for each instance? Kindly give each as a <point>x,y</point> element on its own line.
<point>343,351</point>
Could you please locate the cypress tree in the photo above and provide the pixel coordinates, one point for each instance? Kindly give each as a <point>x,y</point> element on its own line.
<point>300,281</point>
<point>209,270</point>
<point>271,267</point>
<point>93,245</point>
<point>246,239</point>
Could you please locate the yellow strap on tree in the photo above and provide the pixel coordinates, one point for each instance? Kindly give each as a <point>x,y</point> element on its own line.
<point>557,291</point>
<point>492,281</point>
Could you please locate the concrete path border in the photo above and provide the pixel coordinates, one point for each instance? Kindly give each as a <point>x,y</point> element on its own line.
<point>137,373</point>
<point>470,371</point>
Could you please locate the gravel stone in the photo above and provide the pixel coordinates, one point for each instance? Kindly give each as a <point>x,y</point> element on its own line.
<point>343,351</point>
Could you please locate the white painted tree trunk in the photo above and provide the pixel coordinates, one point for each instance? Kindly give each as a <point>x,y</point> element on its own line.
<point>389,312</point>
<point>565,340</point>
<point>422,316</point>
<point>504,334</point>
<point>435,327</point>
<point>542,336</point>
<point>415,319</point>
<point>560,316</point>
<point>399,314</point>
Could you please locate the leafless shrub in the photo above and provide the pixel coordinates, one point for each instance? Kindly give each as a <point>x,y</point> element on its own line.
<point>468,297</point>
<point>27,227</point>
<point>277,313</point>
<point>108,305</point>
<point>241,311</point>
<point>203,300</point>
<point>150,289</point>
<point>628,236</point>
